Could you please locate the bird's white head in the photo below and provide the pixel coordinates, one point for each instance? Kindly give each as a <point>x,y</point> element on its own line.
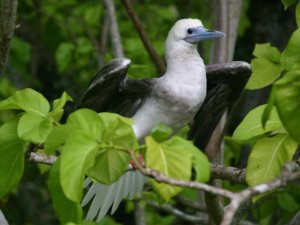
<point>184,36</point>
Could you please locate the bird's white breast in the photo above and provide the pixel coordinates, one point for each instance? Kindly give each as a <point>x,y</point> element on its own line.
<point>176,98</point>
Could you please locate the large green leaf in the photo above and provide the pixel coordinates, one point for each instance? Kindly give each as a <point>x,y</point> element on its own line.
<point>57,137</point>
<point>67,210</point>
<point>118,130</point>
<point>171,158</point>
<point>264,73</point>
<point>12,157</point>
<point>28,100</point>
<point>34,128</point>
<point>110,164</point>
<point>87,120</point>
<point>290,57</point>
<point>252,126</point>
<point>268,52</point>
<point>287,101</point>
<point>266,67</point>
<point>268,156</point>
<point>113,158</point>
<point>77,157</point>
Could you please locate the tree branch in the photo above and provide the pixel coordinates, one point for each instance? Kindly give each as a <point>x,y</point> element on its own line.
<point>178,213</point>
<point>229,173</point>
<point>41,158</point>
<point>248,193</point>
<point>160,66</point>
<point>8,12</point>
<point>114,29</point>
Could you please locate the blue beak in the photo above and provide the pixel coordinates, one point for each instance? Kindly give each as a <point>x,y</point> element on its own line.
<point>197,34</point>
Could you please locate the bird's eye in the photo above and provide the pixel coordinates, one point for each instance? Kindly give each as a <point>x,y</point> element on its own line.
<point>190,31</point>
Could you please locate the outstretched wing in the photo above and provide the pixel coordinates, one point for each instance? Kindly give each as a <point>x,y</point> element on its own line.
<point>112,91</point>
<point>225,83</point>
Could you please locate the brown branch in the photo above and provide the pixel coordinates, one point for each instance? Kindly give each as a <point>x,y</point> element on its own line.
<point>178,213</point>
<point>8,12</point>
<point>160,66</point>
<point>248,193</point>
<point>229,173</point>
<point>189,203</point>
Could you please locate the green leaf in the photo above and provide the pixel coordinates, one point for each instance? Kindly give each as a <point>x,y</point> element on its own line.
<point>287,202</point>
<point>171,158</point>
<point>58,105</point>
<point>252,126</point>
<point>200,163</point>
<point>87,120</point>
<point>28,100</point>
<point>113,158</point>
<point>110,164</point>
<point>287,101</point>
<point>161,132</point>
<point>57,137</point>
<point>264,73</point>
<point>77,157</point>
<point>269,107</point>
<point>287,3</point>
<point>290,57</point>
<point>67,210</point>
<point>266,51</point>
<point>34,127</point>
<point>268,156</point>
<point>64,55</point>
<point>118,130</point>
<point>12,157</point>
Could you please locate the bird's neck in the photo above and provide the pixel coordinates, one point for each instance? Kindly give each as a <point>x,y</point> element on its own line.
<point>185,65</point>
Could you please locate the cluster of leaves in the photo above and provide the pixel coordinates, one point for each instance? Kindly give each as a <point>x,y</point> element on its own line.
<point>99,145</point>
<point>272,129</point>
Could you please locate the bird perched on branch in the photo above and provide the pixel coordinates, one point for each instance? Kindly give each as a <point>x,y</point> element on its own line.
<point>173,99</point>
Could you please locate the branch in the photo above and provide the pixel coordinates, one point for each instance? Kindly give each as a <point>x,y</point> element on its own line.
<point>189,203</point>
<point>8,12</point>
<point>41,158</point>
<point>170,209</point>
<point>232,174</point>
<point>248,193</point>
<point>114,29</point>
<point>160,66</point>
<point>295,220</point>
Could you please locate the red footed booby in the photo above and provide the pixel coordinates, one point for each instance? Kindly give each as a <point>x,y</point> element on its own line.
<point>173,99</point>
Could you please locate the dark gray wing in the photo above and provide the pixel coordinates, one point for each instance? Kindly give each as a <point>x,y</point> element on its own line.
<point>225,83</point>
<point>111,91</point>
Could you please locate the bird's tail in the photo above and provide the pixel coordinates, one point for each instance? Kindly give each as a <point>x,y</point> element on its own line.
<point>104,196</point>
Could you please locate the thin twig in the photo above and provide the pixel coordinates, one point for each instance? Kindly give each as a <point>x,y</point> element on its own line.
<point>114,29</point>
<point>138,25</point>
<point>178,213</point>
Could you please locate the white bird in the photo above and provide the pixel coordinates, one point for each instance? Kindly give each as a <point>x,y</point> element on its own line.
<point>173,99</point>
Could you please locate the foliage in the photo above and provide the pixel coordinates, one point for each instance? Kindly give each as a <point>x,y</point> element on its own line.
<point>98,145</point>
<point>272,130</point>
